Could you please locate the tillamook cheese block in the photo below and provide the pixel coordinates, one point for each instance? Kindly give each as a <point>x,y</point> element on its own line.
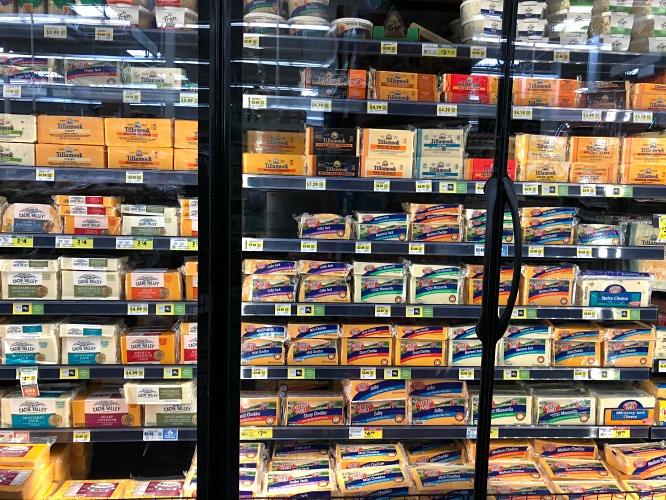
<point>275,142</point>
<point>160,392</point>
<point>140,158</point>
<point>91,488</point>
<point>17,154</point>
<point>170,415</point>
<point>29,279</point>
<point>153,284</point>
<point>186,134</point>
<point>18,128</point>
<point>186,159</point>
<point>387,143</point>
<point>161,78</point>
<point>259,408</point>
<point>31,218</point>
<point>154,132</point>
<point>604,150</point>
<point>397,168</point>
<point>539,148</point>
<point>16,327</point>
<point>314,408</point>
<point>276,164</point>
<point>52,408</point>
<point>104,407</point>
<point>70,130</point>
<point>151,347</point>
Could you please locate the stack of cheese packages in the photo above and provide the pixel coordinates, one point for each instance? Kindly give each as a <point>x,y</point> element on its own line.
<point>51,408</point>
<point>189,341</point>
<point>89,215</point>
<point>189,216</point>
<point>103,406</point>
<point>18,134</point>
<point>335,151</point>
<point>525,344</point>
<point>469,89</point>
<point>186,145</point>
<point>649,96</point>
<point>568,22</point>
<point>541,157</point>
<point>164,403</point>
<point>387,152</point>
<point>73,141</point>
<point>551,92</point>
<point>149,220</point>
<point>90,278</point>
<point>657,388</point>
<point>441,153</point>
<point>641,233</point>
<point>32,470</point>
<point>27,342</point>
<point>29,279</point>
<point>400,86</point>
<point>464,345</point>
<point>613,22</point>
<point>552,226</point>
<point>648,34</point>
<point>643,160</point>
<point>190,484</point>
<point>475,221</point>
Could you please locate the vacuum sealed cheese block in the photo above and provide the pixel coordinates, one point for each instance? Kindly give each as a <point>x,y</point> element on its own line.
<point>525,351</point>
<point>437,410</point>
<point>590,490</point>
<point>149,210</point>
<point>186,159</point>
<point>547,285</point>
<point>425,332</point>
<point>626,407</point>
<point>142,158</point>
<point>628,353</point>
<point>442,143</point>
<point>148,346</point>
<point>301,450</point>
<point>186,134</point>
<point>465,352</point>
<point>92,72</point>
<point>324,226</point>
<point>23,482</point>
<point>452,453</point>
<point>592,173</point>
<point>90,350</point>
<point>328,331</point>
<point>324,288</point>
<point>189,348</point>
<point>643,151</point>
<point>526,491</point>
<point>70,130</point>
<point>356,456</point>
<point>276,164</point>
<point>262,351</point>
<point>604,150</point>
<point>30,350</point>
<point>540,148</point>
<point>295,483</point>
<point>420,352</point>
<point>578,331</point>
<point>267,266</point>
<point>269,288</point>
<point>599,234</point>
<point>643,460</point>
<point>565,469</point>
<point>387,143</point>
<point>377,412</point>
<point>153,489</point>
<point>575,353</point>
<point>259,408</point>
<point>503,450</point>
<point>18,128</point>
<point>104,407</point>
<point>545,171</point>
<point>23,279</point>
<point>644,488</point>
<point>16,327</point>
<point>330,141</point>
<point>154,132</point>
<point>514,472</point>
<point>320,267</point>
<point>88,201</point>
<point>379,283</point>
<point>441,479</point>
<point>510,407</point>
<point>31,218</point>
<point>367,351</point>
<point>313,352</point>
<point>30,455</point>
<point>474,284</point>
<point>314,408</point>
<point>450,231</point>
<point>153,77</point>
<point>378,166</point>
<point>91,488</point>
<point>70,156</point>
<point>160,392</point>
<point>153,284</point>
<point>170,415</point>
<point>563,407</point>
<point>91,224</point>
<point>367,390</point>
<point>17,154</point>
<point>189,227</point>
<point>567,449</point>
<point>613,289</point>
<point>52,408</point>
<point>365,330</point>
<point>275,142</point>
<point>191,273</point>
<point>373,226</point>
<point>440,168</point>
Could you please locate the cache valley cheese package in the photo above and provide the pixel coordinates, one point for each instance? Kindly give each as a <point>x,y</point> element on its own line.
<point>29,279</point>
<point>80,280</point>
<point>151,346</point>
<point>170,415</point>
<point>153,284</point>
<point>52,408</point>
<point>87,341</point>
<point>91,224</point>
<point>314,408</point>
<point>149,225</point>
<point>30,350</point>
<point>31,218</point>
<point>104,407</point>
<point>160,392</point>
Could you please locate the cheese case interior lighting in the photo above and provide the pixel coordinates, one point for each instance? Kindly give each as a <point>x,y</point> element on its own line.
<point>370,266</point>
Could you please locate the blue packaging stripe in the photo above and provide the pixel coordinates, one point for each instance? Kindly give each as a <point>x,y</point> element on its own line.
<point>388,234</point>
<point>323,352</point>
<point>377,415</point>
<point>327,291</point>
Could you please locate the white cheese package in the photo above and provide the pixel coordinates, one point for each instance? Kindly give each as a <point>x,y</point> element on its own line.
<point>30,350</point>
<point>435,284</point>
<point>380,283</point>
<point>510,407</point>
<point>93,263</point>
<point>175,18</point>
<point>149,225</point>
<point>526,345</point>
<point>18,327</point>
<point>17,154</point>
<point>324,226</point>
<point>563,407</point>
<point>52,408</point>
<point>170,415</point>
<point>375,226</point>
<point>600,234</point>
<point>160,392</point>
<point>92,279</point>
<point>442,142</point>
<point>613,289</point>
<point>161,78</point>
<point>18,128</point>
<point>28,279</point>
<point>90,341</point>
<point>624,406</point>
<point>134,15</point>
<point>160,210</point>
<point>91,72</point>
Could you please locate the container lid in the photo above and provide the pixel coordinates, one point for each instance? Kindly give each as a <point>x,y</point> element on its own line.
<point>308,20</point>
<point>263,17</point>
<point>350,20</point>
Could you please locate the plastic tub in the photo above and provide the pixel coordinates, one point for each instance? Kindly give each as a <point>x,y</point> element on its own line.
<point>471,8</point>
<point>308,8</point>
<point>486,25</point>
<point>261,6</point>
<point>352,27</point>
<point>308,26</point>
<point>265,24</point>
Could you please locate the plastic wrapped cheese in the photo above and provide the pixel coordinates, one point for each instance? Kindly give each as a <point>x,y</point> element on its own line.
<point>170,415</point>
<point>17,154</point>
<point>31,218</point>
<point>435,284</point>
<point>104,407</point>
<point>153,489</point>
<point>160,392</point>
<point>324,226</point>
<point>435,479</point>
<point>299,483</point>
<point>380,283</point>
<point>355,456</point>
<point>625,407</point>
<point>375,226</point>
<point>91,488</point>
<point>563,407</point>
<point>52,408</point>
<point>548,285</point>
<point>377,412</point>
<point>642,460</point>
<point>599,234</point>
<point>613,289</point>
<point>29,279</point>
<point>18,128</point>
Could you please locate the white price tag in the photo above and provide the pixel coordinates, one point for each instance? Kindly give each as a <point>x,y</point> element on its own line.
<point>478,188</point>
<point>124,243</point>
<point>592,115</point>
<point>382,311</point>
<point>377,108</point>
<point>133,177</point>
<point>153,434</point>
<point>64,242</point>
<point>389,48</point>
<point>79,436</point>
<point>28,380</point>
<point>522,113</point>
<point>416,249</point>
<point>308,246</point>
<point>368,373</point>
<point>324,105</point>
<point>104,34</point>
<point>55,31</point>
<point>447,110</point>
<point>362,247</point>
<point>315,184</point>
<point>45,174</point>
<point>643,117</point>
<point>471,433</point>
<point>131,96</point>
<point>356,433</point>
<point>11,91</point>
<point>178,244</point>
<point>282,310</point>
<point>250,41</point>
<point>382,186</point>
<point>424,186</point>
<point>137,373</point>
<point>606,432</point>
<point>479,250</point>
<point>561,56</point>
<point>251,245</point>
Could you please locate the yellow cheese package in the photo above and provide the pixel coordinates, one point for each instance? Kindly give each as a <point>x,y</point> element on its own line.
<point>267,266</point>
<point>395,168</point>
<point>301,331</point>
<point>323,288</point>
<point>276,164</point>
<point>295,483</point>
<point>377,412</point>
<point>261,351</point>
<point>644,488</point>
<point>426,332</point>
<point>375,351</point>
<point>655,387</point>
<point>186,159</point>
<point>191,273</point>
<point>547,285</point>
<point>30,455</point>
<point>643,174</point>
<point>91,224</point>
<point>566,469</point>
<point>524,491</point>
<point>503,450</point>
<point>323,267</point>
<point>18,128</point>
<point>628,353</point>
<point>563,407</point>
<point>275,142</point>
<point>153,284</point>
<point>474,284</point>
<point>652,102</point>
<point>259,408</point>
<point>625,407</point>
<point>593,173</point>
<point>362,330</point>
<point>24,483</point>
<point>369,390</point>
<point>510,407</point>
<point>643,460</point>
<point>387,143</point>
<point>269,288</point>
<point>644,151</point>
<point>567,449</point>
<point>91,488</point>
<point>31,218</point>
<point>590,490</point>
<point>447,453</point>
<point>324,226</point>
<point>153,489</point>
<point>599,234</point>
<point>578,331</point>
<point>375,226</point>
<point>70,130</point>
<point>314,408</point>
<point>420,352</point>
<point>599,150</point>
<point>374,481</point>
<point>545,85</point>
<point>516,472</point>
<point>314,351</point>
<point>60,460</point>
<point>546,171</point>
<point>577,353</point>
<point>154,132</point>
<point>186,134</point>
<point>436,479</point>
<point>356,456</point>
<point>140,158</point>
<point>540,148</point>
<point>437,410</point>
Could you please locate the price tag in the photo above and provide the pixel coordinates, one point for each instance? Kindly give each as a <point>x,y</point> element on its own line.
<point>436,50</point>
<point>184,244</point>
<point>382,186</point>
<point>606,432</point>
<point>310,310</point>
<point>315,184</point>
<point>535,251</point>
<point>11,91</point>
<point>588,191</point>
<point>189,98</point>
<point>259,373</point>
<point>615,191</point>
<point>471,433</point>
<point>465,374</point>
<point>301,373</point>
<point>494,433</point>
<point>424,186</point>
<point>584,252</point>
<point>74,373</point>
<point>137,309</point>
<point>324,105</point>
<point>477,52</point>
<point>522,113</point>
<point>590,314</point>
<point>592,115</point>
<point>621,433</point>
<point>382,311</point>
<point>662,366</point>
<point>253,434</point>
<point>250,41</point>
<point>281,310</point>
<point>308,246</point>
<point>478,251</point>
<point>389,48</point>
<point>27,309</point>
<point>447,187</point>
<point>397,373</point>
<point>447,110</point>
<point>79,436</point>
<point>550,190</point>
<point>416,249</point>
<point>523,313</point>
<point>178,373</point>
<point>581,374</point>
<point>365,433</point>
<point>516,374</point>
<point>257,102</point>
<point>17,241</point>
<point>377,108</point>
<point>44,174</point>
<point>131,96</point>
<point>368,373</point>
<point>104,34</point>
<point>478,188</point>
<point>531,189</point>
<point>361,247</point>
<point>153,434</point>
<point>623,314</point>
<point>168,309</point>
<point>643,117</point>
<point>133,177</point>
<point>133,243</point>
<point>55,31</point>
<point>137,373</point>
<point>74,242</point>
<point>28,381</point>
<point>603,374</point>
<point>561,56</point>
<point>418,312</point>
<point>250,245</point>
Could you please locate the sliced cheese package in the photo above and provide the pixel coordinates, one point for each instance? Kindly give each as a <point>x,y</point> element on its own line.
<point>380,283</point>
<point>160,392</point>
<point>356,456</point>
<point>104,407</point>
<point>31,218</point>
<point>642,460</point>
<point>613,289</point>
<point>259,408</point>
<point>324,226</point>
<point>314,408</point>
<point>377,412</point>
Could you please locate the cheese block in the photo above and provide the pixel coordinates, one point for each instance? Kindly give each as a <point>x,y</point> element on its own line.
<point>379,283</point>
<point>91,72</point>
<point>277,164</point>
<point>314,408</point>
<point>267,266</point>
<point>153,489</point>
<point>381,226</point>
<point>563,407</point>
<point>436,453</point>
<point>514,472</point>
<point>437,410</point>
<point>355,456</point>
<point>433,284</point>
<point>153,284</point>
<point>324,226</point>
<point>387,143</point>
<point>30,455</point>
<point>567,449</point>
<point>591,490</point>
<point>262,351</point>
<point>70,130</point>
<point>598,150</point>
<point>544,85</point>
<point>295,483</point>
<point>263,331</point>
<point>443,143</point>
<point>510,407</point>
<point>474,284</point>
<point>437,387</point>
<point>93,263</point>
<point>642,460</point>
<point>319,267</point>
<point>170,415</point>
<point>186,159</point>
<point>133,14</point>
<point>153,77</point>
<point>30,285</point>
<point>16,327</point>
<point>21,482</point>
<point>419,352</point>
<point>85,200</point>
<point>151,347</point>
<point>52,408</point>
<point>464,352</point>
<point>17,154</point>
<point>313,352</point>
<point>189,227</point>
<point>525,351</point>
<point>546,171</point>
<point>422,332</point>
<point>324,288</point>
<point>540,148</point>
<point>367,330</point>
<point>628,353</point>
<point>141,158</point>
<point>578,331</point>
<point>378,166</point>
<point>400,94</point>
<point>90,350</point>
<point>599,234</point>
<point>160,392</point>
<point>365,390</point>
<point>375,351</point>
<point>440,168</point>
<point>191,273</point>
<point>377,412</point>
<point>301,450</point>
<point>186,134</point>
<point>275,142</point>
<point>626,407</point>
<point>592,173</point>
<point>30,350</point>
<point>91,225</point>
<point>250,455</point>
<point>437,479</point>
<point>259,408</point>
<point>613,289</point>
<point>18,128</point>
<point>91,488</point>
<point>643,151</point>
<point>565,469</point>
<point>137,132</point>
<point>31,218</point>
<point>461,331</point>
<point>149,210</point>
<point>104,407</point>
<point>525,491</point>
<point>547,285</point>
<point>269,288</point>
<point>646,488</point>
<point>577,353</point>
<point>503,450</point>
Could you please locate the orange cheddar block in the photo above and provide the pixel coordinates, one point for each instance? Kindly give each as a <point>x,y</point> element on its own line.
<point>91,224</point>
<point>398,79</point>
<point>644,151</point>
<point>154,132</point>
<point>405,94</point>
<point>189,227</point>
<point>567,100</point>
<point>70,130</point>
<point>34,456</point>
<point>648,88</point>
<point>148,347</point>
<point>88,210</point>
<point>186,134</point>
<point>593,173</point>
<point>643,174</point>
<point>524,85</point>
<point>72,156</point>
<point>192,280</point>
<point>605,150</point>
<point>141,158</point>
<point>186,159</point>
<point>276,164</point>
<point>153,284</point>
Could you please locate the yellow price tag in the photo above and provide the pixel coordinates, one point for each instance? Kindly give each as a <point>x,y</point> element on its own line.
<point>535,251</point>
<point>189,98</point>
<point>104,34</point>
<point>581,374</point>
<point>465,374</point>
<point>281,310</point>
<point>259,373</point>
<point>368,373</point>
<point>308,246</point>
<point>44,175</point>
<point>382,311</point>
<point>361,247</point>
<point>137,309</point>
<point>590,314</point>
<point>561,56</point>
<point>133,177</point>
<point>131,96</point>
<point>315,184</point>
<point>621,433</point>
<point>662,227</point>
<point>365,433</point>
<point>522,113</point>
<point>372,433</point>
<point>142,243</point>
<point>134,373</point>
<point>22,241</point>
<point>382,186</point>
<point>588,190</point>
<point>389,48</point>
<point>255,433</point>
<point>257,102</point>
<point>643,117</point>
<point>81,436</point>
<point>55,31</point>
<point>18,309</point>
<point>477,52</point>
<point>494,433</point>
<point>377,108</point>
<point>447,110</point>
<point>592,115</point>
<point>584,253</point>
<point>253,245</point>
<point>250,41</point>
<point>323,105</point>
<point>416,249</point>
<point>423,187</point>
<point>662,366</point>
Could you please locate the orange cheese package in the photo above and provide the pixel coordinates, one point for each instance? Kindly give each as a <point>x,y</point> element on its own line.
<point>420,352</point>
<point>153,489</point>
<point>314,408</point>
<point>560,100</point>
<point>565,469</point>
<point>330,331</point>
<point>191,272</point>
<point>186,134</point>
<point>404,94</point>
<point>189,227</point>
<point>95,201</point>
<point>554,449</point>
<point>104,407</point>
<point>269,266</point>
<point>643,460</point>
<point>31,218</point>
<point>399,79</point>
<point>380,482</point>
<point>140,345</point>
<point>24,483</point>
<point>269,288</point>
<point>503,450</point>
<point>60,459</point>
<point>644,488</point>
<point>70,130</point>
<point>153,284</point>
<point>643,174</point>
<point>474,284</point>
<point>137,132</point>
<point>652,102</point>
<point>275,142</point>
<point>370,390</point>
<point>70,156</point>
<point>142,158</point>
<point>91,488</point>
<point>516,471</point>
<point>604,150</point>
<point>468,83</point>
<point>522,85</point>
<point>437,410</point>
<point>387,167</point>
<point>644,151</point>
<point>577,353</point>
<point>590,490</point>
<point>592,173</point>
<point>34,456</point>
<point>314,351</point>
<point>375,351</point>
<point>547,285</point>
<point>276,164</point>
<point>553,171</point>
<point>186,159</point>
<point>91,224</point>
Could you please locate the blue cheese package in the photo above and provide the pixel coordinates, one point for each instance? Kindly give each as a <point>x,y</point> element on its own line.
<point>613,289</point>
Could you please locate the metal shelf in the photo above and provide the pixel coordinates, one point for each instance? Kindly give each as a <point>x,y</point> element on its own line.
<point>417,372</point>
<point>104,372</point>
<point>97,308</point>
<point>87,242</point>
<point>110,435</point>
<point>286,245</point>
<point>658,432</point>
<point>102,175</point>
<point>294,183</point>
<point>437,311</point>
<point>417,432</point>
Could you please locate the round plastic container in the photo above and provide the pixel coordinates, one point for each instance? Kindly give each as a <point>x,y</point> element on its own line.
<point>475,25</point>
<point>265,24</point>
<point>308,8</point>
<point>309,26</point>
<point>261,6</point>
<point>352,27</point>
<point>471,8</point>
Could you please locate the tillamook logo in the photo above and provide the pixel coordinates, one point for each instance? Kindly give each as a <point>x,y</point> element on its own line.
<point>6,127</point>
<point>83,346</point>
<point>153,77</point>
<point>138,156</point>
<point>32,407</point>
<point>69,125</point>
<point>106,406</point>
<point>388,141</point>
<point>137,128</point>
<point>68,153</point>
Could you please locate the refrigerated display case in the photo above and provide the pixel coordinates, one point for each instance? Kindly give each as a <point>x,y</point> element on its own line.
<point>362,136</point>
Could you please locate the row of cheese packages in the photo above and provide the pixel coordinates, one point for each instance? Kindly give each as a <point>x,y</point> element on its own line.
<point>100,215</point>
<point>448,402</point>
<point>93,131</point>
<point>94,278</point>
<point>532,471</point>
<point>95,341</point>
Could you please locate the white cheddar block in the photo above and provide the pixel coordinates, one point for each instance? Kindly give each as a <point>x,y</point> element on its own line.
<point>160,392</point>
<point>30,350</point>
<point>90,327</point>
<point>18,128</point>
<point>29,285</point>
<point>161,78</point>
<point>52,408</point>
<point>18,327</point>
<point>17,154</point>
<point>8,265</point>
<point>170,415</point>
<point>149,210</point>
<point>90,350</point>
<point>465,352</point>
<point>91,285</point>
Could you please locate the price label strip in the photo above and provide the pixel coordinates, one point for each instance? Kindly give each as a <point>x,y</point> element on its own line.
<point>397,373</point>
<point>55,31</point>
<point>477,52</point>
<point>323,105</point>
<point>382,186</point>
<point>11,91</point>
<point>184,244</point>
<point>255,433</point>
<point>255,102</point>
<point>389,48</point>
<point>314,184</point>
<point>74,242</point>
<point>561,56</point>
